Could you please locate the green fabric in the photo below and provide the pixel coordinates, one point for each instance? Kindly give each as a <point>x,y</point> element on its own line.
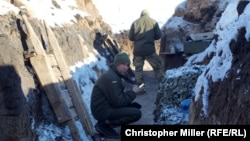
<point>155,61</point>
<point>143,32</point>
<point>108,94</point>
<point>121,58</point>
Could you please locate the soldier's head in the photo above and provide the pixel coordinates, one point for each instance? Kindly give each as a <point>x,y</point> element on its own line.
<point>122,62</point>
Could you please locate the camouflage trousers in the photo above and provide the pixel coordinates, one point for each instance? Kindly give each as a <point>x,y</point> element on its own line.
<point>156,63</point>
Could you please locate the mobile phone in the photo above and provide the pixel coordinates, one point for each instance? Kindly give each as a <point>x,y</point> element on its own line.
<point>141,85</point>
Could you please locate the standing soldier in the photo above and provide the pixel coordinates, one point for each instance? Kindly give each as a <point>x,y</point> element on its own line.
<point>143,32</point>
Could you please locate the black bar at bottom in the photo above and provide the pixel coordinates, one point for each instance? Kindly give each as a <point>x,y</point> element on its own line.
<point>204,132</point>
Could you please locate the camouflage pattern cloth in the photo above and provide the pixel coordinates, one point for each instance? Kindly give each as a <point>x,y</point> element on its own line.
<point>154,60</point>
<point>143,32</point>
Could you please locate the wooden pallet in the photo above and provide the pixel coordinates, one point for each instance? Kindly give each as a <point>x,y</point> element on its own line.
<point>53,73</point>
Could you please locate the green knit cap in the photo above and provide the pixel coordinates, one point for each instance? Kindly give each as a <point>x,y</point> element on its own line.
<point>121,58</point>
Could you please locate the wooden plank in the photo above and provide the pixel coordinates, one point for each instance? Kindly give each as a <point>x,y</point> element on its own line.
<point>52,60</point>
<point>45,75</point>
<point>61,83</point>
<point>73,113</point>
<point>50,85</point>
<point>32,36</point>
<point>67,98</point>
<point>74,130</point>
<point>74,91</point>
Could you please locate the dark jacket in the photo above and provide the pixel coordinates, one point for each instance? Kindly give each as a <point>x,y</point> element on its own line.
<point>108,94</point>
<point>144,31</point>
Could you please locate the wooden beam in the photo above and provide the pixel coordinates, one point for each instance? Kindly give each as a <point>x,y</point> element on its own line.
<point>46,76</point>
<point>74,91</point>
<point>50,85</point>
<point>74,131</point>
<point>33,37</point>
